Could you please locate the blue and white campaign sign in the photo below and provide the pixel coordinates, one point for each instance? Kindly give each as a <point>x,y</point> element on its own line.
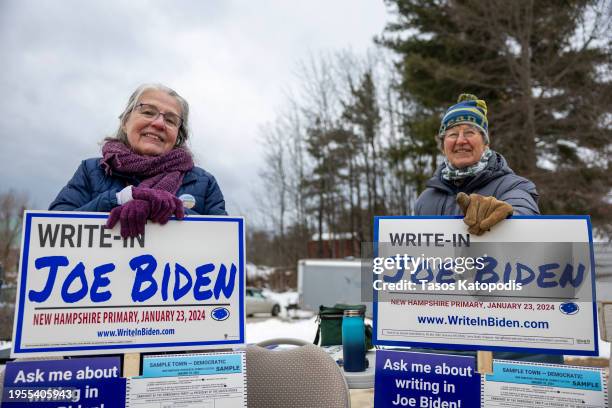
<point>405,379</point>
<point>525,385</point>
<point>82,288</point>
<point>527,285</point>
<point>81,382</point>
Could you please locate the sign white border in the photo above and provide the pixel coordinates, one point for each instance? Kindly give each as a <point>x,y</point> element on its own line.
<point>568,351</point>
<point>19,350</point>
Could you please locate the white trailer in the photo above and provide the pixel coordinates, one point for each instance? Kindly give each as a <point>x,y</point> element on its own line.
<point>330,281</point>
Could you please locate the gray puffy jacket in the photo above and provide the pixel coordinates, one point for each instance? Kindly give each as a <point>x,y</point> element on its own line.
<point>497,180</point>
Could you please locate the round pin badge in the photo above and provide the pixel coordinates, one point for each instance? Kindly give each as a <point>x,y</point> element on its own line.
<point>188,200</point>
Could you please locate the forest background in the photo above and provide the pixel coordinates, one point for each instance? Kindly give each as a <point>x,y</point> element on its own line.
<point>357,140</point>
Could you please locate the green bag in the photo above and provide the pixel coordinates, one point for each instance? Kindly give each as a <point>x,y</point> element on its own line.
<point>329,331</point>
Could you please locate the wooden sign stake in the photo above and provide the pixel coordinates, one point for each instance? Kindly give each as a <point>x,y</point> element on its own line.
<point>484,360</point>
<point>605,320</point>
<point>604,310</point>
<point>131,365</point>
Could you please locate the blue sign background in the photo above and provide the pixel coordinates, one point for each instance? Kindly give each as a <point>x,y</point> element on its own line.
<point>110,391</point>
<point>402,387</point>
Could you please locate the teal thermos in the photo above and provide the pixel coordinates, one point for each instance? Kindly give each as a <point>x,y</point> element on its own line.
<point>353,341</point>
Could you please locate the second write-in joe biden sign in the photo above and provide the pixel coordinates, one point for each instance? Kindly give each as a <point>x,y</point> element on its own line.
<point>526,286</point>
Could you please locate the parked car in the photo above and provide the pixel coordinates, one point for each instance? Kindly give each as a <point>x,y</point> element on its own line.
<point>257,302</point>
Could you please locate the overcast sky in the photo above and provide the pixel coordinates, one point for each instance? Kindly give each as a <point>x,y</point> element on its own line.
<point>68,68</point>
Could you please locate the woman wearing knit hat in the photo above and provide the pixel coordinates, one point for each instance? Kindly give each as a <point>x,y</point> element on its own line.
<point>477,182</point>
<point>474,180</point>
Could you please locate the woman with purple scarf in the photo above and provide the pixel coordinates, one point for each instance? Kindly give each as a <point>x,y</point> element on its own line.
<point>146,172</point>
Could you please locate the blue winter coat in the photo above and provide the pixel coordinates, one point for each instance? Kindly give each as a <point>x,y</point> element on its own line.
<point>497,180</point>
<point>90,189</point>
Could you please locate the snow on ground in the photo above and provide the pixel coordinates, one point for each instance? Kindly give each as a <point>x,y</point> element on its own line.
<point>284,299</point>
<point>276,328</point>
<point>303,328</point>
<point>255,271</point>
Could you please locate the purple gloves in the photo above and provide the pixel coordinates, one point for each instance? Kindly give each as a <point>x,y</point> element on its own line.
<point>147,203</point>
<point>133,216</point>
<point>163,204</point>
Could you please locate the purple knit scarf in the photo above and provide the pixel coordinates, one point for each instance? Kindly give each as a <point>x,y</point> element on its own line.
<point>163,172</point>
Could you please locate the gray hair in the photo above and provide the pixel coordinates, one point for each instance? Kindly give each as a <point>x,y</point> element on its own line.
<point>183,132</point>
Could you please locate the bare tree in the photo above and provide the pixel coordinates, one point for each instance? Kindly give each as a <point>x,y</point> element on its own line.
<point>274,176</point>
<point>326,168</point>
<point>12,206</point>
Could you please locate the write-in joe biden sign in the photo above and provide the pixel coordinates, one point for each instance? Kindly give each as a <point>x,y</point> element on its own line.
<point>83,288</point>
<point>527,285</point>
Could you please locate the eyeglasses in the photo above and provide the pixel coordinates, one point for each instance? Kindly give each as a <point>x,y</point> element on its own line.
<point>453,134</point>
<point>151,112</point>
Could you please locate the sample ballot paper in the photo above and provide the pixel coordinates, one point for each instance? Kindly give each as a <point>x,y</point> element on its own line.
<point>531,385</point>
<point>207,380</point>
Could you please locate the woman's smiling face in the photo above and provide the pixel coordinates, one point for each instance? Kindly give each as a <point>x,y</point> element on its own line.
<point>463,145</point>
<point>152,137</point>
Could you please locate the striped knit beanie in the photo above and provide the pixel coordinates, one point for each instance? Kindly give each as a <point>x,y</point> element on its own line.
<point>468,110</point>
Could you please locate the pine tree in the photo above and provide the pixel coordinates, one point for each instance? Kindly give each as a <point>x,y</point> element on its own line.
<point>544,69</point>
<point>362,114</point>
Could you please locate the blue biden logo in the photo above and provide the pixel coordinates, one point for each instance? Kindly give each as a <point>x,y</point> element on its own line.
<point>220,314</point>
<point>569,308</point>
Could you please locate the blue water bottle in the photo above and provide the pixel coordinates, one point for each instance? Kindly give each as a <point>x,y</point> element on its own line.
<point>353,341</point>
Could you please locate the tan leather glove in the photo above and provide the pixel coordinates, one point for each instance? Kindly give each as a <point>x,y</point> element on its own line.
<point>481,212</point>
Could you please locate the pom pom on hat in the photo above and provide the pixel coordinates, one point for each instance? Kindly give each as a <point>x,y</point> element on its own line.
<point>468,110</point>
<point>466,97</point>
